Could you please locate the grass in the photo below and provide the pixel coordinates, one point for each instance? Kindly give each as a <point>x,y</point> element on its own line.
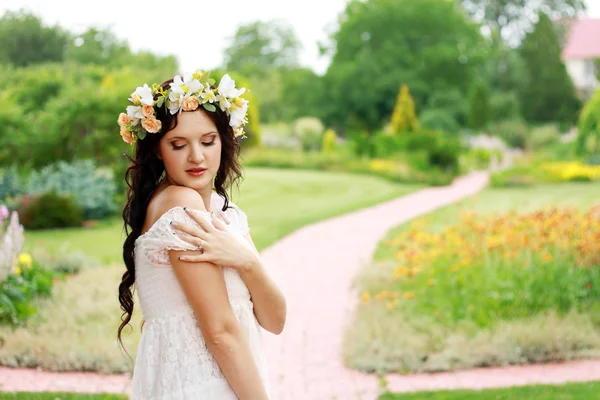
<point>59,396</point>
<point>400,339</point>
<point>277,202</point>
<point>571,391</point>
<point>77,329</point>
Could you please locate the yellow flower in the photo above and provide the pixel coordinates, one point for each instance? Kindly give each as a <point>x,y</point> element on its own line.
<point>408,295</point>
<point>365,297</point>
<point>547,257</point>
<point>18,270</point>
<point>25,260</point>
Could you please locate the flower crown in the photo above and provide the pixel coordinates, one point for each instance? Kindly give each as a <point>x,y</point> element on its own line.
<point>185,94</point>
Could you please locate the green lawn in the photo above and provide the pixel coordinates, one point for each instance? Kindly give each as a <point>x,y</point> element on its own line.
<point>59,396</point>
<point>572,391</point>
<point>77,329</point>
<point>400,340</point>
<point>277,202</point>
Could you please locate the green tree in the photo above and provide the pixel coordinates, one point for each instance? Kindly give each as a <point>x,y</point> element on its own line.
<point>24,40</point>
<point>431,45</point>
<point>404,118</point>
<point>548,93</point>
<point>510,19</point>
<point>300,93</point>
<point>99,47</point>
<point>479,111</point>
<point>259,47</point>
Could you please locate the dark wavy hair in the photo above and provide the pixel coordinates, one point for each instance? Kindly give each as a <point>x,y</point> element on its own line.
<point>146,172</point>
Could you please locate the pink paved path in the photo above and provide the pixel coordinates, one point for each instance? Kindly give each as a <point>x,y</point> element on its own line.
<point>315,266</point>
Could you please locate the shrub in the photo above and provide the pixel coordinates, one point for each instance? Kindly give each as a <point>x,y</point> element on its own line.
<point>10,183</point>
<point>93,189</point>
<point>445,154</point>
<point>308,130</point>
<point>438,120</point>
<point>329,141</point>
<point>404,118</point>
<point>543,136</point>
<point>11,238</point>
<point>515,133</point>
<point>27,282</point>
<point>50,210</point>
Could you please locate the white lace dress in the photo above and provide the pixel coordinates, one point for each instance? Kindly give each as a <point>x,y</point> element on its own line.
<point>173,362</point>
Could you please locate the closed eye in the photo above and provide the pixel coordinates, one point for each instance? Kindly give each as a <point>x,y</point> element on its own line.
<point>209,143</point>
<point>178,147</point>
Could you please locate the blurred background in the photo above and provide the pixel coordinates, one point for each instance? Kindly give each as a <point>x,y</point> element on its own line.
<point>351,103</point>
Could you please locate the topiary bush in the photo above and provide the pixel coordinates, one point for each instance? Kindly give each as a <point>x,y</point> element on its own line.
<point>329,144</point>
<point>50,210</point>
<point>439,120</point>
<point>93,189</point>
<point>308,130</point>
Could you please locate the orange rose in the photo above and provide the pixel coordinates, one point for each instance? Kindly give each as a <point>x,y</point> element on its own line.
<point>148,111</point>
<point>151,124</point>
<point>190,103</point>
<point>126,135</point>
<point>123,119</point>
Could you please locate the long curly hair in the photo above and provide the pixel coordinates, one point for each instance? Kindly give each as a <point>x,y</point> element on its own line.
<point>146,172</point>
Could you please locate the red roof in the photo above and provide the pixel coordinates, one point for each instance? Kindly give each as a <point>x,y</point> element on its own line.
<point>583,40</point>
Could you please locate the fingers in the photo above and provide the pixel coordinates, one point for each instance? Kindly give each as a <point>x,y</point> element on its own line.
<point>193,240</point>
<point>194,259</point>
<point>190,230</point>
<point>218,223</point>
<point>199,218</point>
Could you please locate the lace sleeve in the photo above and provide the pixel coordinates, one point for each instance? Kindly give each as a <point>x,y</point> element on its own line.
<point>161,237</point>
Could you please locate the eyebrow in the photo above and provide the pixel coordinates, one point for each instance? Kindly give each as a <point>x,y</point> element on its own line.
<point>183,138</point>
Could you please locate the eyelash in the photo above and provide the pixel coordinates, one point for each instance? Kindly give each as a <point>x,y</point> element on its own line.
<point>182,146</point>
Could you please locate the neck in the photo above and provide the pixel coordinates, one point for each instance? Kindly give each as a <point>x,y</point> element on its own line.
<point>206,194</point>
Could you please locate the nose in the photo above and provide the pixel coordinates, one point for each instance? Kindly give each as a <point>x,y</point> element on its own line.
<point>196,155</point>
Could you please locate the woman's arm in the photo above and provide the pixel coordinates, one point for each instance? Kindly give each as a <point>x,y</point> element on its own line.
<point>204,287</point>
<point>205,290</point>
<point>270,306</point>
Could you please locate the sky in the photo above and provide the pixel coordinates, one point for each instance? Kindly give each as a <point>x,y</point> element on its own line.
<point>197,31</point>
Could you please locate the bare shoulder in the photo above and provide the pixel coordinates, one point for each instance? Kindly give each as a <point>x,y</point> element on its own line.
<point>171,197</point>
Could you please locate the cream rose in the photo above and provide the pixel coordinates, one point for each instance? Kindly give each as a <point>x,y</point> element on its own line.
<point>151,124</point>
<point>123,119</point>
<point>148,111</point>
<point>190,103</point>
<point>126,135</point>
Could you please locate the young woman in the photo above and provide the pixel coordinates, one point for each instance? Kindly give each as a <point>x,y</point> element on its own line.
<point>203,291</point>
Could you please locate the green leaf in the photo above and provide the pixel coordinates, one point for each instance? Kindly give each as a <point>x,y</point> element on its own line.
<point>211,81</point>
<point>142,134</point>
<point>209,107</point>
<point>160,102</point>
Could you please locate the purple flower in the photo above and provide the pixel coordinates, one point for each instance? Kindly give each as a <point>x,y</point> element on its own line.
<point>3,212</point>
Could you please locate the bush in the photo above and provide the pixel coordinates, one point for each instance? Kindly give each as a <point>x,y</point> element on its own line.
<point>438,120</point>
<point>515,133</point>
<point>27,282</point>
<point>479,111</point>
<point>329,141</point>
<point>445,154</point>
<point>50,210</point>
<point>10,183</point>
<point>543,136</point>
<point>588,141</point>
<point>93,189</point>
<point>404,117</point>
<point>309,130</point>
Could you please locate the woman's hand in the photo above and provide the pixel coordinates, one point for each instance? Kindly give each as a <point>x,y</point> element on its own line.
<point>218,245</point>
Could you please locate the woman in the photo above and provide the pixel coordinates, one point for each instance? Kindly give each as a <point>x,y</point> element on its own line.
<point>201,286</point>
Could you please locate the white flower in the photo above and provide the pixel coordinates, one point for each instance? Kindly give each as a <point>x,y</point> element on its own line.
<point>182,88</point>
<point>227,88</point>
<point>143,94</point>
<point>134,112</point>
<point>238,112</point>
<point>208,96</point>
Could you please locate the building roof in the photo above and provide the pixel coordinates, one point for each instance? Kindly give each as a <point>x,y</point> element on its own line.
<point>583,40</point>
